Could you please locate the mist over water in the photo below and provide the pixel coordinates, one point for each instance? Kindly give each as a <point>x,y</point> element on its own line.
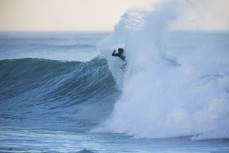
<point>176,83</point>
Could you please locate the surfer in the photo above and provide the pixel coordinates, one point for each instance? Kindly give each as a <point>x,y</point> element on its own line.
<point>119,54</point>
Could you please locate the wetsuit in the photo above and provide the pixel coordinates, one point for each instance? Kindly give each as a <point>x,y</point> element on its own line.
<point>121,55</point>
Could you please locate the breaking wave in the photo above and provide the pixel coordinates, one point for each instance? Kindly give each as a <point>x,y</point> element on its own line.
<point>176,84</point>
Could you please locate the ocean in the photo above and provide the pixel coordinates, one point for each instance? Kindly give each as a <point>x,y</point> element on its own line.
<point>64,92</point>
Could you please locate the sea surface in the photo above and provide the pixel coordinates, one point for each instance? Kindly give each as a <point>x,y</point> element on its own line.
<point>57,90</point>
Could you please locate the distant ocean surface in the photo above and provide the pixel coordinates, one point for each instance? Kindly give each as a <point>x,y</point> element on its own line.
<point>64,92</point>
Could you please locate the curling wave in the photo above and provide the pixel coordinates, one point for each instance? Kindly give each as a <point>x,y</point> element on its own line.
<point>37,91</point>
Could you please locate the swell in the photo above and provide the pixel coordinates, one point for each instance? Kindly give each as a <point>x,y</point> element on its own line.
<point>38,47</point>
<point>38,88</point>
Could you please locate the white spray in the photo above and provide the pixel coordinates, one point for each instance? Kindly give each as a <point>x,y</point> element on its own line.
<point>167,93</point>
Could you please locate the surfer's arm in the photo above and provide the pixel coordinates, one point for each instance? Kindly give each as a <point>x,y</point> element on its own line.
<point>115,54</point>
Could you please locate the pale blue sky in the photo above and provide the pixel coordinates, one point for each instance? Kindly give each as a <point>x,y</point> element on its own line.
<point>99,15</point>
<point>64,15</point>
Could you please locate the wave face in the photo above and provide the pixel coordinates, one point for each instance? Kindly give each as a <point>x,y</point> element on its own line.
<point>40,93</point>
<point>176,84</point>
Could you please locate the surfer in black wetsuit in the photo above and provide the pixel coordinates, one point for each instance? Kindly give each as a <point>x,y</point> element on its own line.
<point>119,54</point>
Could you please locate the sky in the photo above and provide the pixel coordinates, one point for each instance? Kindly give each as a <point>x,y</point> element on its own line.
<point>100,15</point>
<point>63,15</point>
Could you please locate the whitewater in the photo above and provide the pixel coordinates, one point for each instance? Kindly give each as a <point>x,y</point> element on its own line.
<point>64,92</point>
<point>169,91</point>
